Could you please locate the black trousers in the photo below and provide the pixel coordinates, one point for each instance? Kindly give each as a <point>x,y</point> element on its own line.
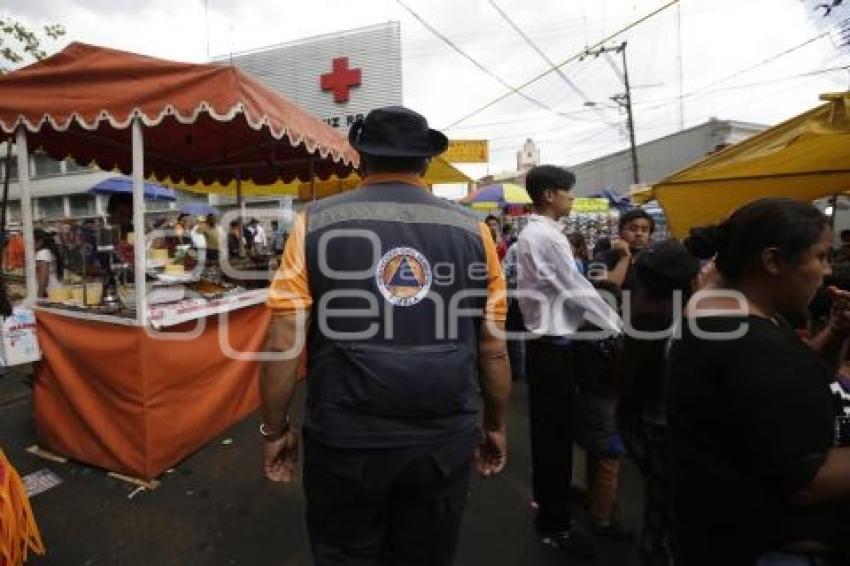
<point>550,371</point>
<point>386,507</point>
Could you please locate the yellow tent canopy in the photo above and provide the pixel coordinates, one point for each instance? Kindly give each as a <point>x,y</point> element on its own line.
<point>805,158</point>
<point>440,171</point>
<point>641,195</point>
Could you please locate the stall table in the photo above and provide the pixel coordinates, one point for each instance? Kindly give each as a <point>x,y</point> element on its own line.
<point>129,399</point>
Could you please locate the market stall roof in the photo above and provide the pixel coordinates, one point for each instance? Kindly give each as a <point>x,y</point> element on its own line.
<point>805,158</point>
<point>439,171</point>
<point>153,191</point>
<point>202,123</point>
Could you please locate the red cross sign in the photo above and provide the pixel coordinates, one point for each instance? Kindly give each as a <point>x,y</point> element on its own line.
<point>340,80</point>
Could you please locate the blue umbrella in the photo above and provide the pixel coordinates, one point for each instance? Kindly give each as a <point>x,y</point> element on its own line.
<point>198,209</point>
<point>113,185</point>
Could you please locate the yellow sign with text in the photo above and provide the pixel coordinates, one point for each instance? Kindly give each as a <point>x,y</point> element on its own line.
<point>467,151</point>
<point>586,205</point>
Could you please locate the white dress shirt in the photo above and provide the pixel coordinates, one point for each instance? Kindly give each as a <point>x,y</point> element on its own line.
<point>260,236</point>
<point>554,297</point>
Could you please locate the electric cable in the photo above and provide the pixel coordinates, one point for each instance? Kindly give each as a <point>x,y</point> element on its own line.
<point>477,64</point>
<point>539,76</point>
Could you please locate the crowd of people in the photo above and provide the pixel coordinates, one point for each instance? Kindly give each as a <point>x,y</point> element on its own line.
<point>68,244</point>
<point>735,417</point>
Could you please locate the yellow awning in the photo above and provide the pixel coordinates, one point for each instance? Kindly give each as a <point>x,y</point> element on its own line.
<point>806,158</point>
<point>641,195</point>
<point>439,172</point>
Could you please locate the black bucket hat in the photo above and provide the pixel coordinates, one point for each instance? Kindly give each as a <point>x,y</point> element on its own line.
<point>396,131</point>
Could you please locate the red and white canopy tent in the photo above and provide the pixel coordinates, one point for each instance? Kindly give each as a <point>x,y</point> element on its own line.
<point>150,117</point>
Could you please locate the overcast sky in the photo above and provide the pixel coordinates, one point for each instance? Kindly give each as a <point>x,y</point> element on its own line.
<point>723,56</point>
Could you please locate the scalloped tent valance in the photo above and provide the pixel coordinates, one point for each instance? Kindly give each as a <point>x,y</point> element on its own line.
<point>202,123</point>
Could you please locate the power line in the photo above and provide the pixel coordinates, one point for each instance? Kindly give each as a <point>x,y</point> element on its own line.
<point>573,113</point>
<point>699,93</point>
<point>658,103</point>
<point>589,153</point>
<point>768,60</point>
<point>475,62</point>
<point>549,62</point>
<point>601,130</point>
<point>551,70</point>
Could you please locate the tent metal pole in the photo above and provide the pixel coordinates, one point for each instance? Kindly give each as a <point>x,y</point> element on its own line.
<point>26,213</point>
<point>139,247</point>
<point>240,201</point>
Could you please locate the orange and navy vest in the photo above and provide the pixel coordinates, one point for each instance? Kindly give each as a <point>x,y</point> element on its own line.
<point>399,281</point>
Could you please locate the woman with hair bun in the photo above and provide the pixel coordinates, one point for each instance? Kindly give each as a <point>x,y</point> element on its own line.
<point>760,463</point>
<point>664,277</point>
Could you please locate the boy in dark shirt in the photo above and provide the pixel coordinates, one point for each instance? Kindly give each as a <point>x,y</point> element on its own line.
<point>636,227</point>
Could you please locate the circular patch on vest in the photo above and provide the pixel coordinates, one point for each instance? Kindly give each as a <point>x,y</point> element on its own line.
<point>403,276</point>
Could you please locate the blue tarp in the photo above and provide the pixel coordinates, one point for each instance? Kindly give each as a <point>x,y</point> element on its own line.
<point>113,185</point>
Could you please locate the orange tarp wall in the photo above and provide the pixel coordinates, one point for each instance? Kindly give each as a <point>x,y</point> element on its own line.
<point>117,398</point>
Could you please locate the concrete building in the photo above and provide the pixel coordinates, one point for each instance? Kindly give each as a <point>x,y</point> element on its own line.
<point>60,189</point>
<point>661,157</point>
<point>528,156</point>
<point>656,159</point>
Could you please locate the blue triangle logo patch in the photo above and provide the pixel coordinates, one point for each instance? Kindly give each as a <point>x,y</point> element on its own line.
<point>404,275</point>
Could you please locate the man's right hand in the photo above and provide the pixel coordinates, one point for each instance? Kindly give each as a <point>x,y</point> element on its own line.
<point>280,457</point>
<point>621,247</point>
<point>492,454</point>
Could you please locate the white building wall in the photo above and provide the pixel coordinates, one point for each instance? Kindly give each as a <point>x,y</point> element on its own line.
<point>659,158</point>
<point>294,70</point>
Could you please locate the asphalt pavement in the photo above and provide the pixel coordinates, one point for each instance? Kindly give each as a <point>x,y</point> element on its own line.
<point>215,507</point>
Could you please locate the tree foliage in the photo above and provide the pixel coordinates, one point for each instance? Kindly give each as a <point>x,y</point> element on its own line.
<point>18,43</point>
<point>836,13</point>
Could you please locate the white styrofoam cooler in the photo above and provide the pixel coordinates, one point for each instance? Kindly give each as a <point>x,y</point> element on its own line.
<point>19,344</point>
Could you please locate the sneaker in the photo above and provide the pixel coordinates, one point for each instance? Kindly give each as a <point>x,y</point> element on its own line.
<point>572,541</point>
<point>614,530</point>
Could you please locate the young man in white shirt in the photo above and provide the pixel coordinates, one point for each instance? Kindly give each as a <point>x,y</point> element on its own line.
<point>555,300</point>
<point>260,241</point>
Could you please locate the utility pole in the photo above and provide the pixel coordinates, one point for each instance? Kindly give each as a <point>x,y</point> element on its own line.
<point>624,100</point>
<point>635,173</point>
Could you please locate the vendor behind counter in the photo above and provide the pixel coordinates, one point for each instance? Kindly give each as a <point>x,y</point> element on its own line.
<point>120,211</point>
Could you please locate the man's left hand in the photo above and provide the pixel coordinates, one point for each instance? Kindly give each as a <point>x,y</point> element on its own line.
<point>492,454</point>
<point>280,457</point>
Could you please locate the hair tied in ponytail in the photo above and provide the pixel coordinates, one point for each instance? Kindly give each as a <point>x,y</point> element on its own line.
<point>706,241</point>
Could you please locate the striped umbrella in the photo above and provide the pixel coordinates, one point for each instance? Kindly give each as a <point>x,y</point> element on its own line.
<point>497,196</point>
